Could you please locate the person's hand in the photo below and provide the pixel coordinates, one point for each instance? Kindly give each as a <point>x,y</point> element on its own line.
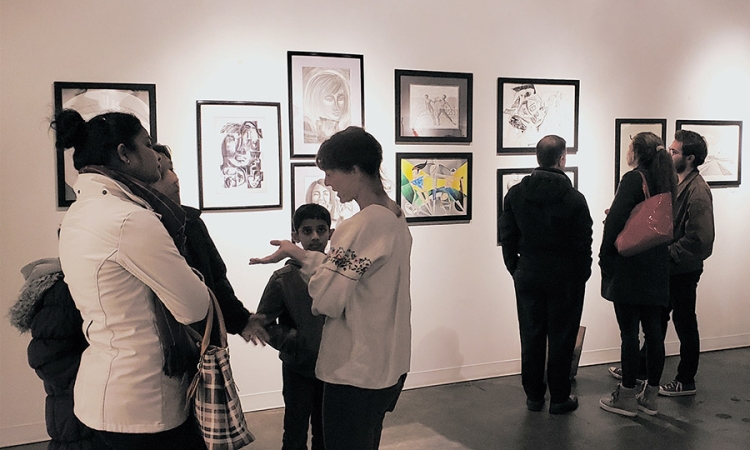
<point>287,249</point>
<point>255,331</point>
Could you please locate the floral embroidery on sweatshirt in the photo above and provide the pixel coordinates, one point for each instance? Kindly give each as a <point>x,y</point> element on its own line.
<point>348,260</point>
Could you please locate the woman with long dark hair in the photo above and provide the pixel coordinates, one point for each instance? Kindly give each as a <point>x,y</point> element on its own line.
<point>638,285</point>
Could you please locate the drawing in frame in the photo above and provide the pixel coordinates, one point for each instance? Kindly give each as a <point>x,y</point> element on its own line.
<point>433,106</point>
<point>722,167</point>
<point>92,99</point>
<point>625,130</point>
<point>530,108</point>
<point>308,186</point>
<point>434,187</point>
<point>326,95</point>
<point>507,178</point>
<point>239,155</point>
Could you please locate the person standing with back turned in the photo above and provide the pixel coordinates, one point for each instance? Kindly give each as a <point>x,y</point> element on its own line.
<point>546,234</point>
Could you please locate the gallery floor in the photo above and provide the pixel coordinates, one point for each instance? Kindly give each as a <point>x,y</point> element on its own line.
<point>491,414</point>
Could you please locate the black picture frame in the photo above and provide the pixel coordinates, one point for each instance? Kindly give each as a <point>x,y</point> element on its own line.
<point>91,99</point>
<point>625,129</point>
<point>440,189</point>
<point>507,178</point>
<point>239,155</point>
<point>530,108</point>
<point>433,107</point>
<point>312,78</point>
<point>723,165</point>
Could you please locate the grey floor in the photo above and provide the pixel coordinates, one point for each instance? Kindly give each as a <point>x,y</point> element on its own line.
<point>491,414</point>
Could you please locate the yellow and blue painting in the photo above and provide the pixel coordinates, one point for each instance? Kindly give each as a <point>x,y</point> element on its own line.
<point>435,187</point>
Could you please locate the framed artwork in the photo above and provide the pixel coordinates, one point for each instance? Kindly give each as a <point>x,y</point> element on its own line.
<point>724,139</point>
<point>239,155</point>
<point>625,129</point>
<point>308,186</point>
<point>507,178</point>
<point>529,109</point>
<point>433,106</point>
<point>434,187</point>
<point>92,99</point>
<point>326,95</point>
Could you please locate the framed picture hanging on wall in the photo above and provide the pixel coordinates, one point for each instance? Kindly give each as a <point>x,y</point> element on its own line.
<point>529,109</point>
<point>433,106</point>
<point>308,186</point>
<point>722,167</point>
<point>625,129</point>
<point>326,95</point>
<point>239,155</point>
<point>92,99</point>
<point>507,178</point>
<point>434,187</point>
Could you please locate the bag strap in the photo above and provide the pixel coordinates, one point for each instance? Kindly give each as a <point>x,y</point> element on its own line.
<point>645,185</point>
<point>213,310</point>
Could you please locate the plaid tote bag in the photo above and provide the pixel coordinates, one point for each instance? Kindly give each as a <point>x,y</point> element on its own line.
<point>217,404</point>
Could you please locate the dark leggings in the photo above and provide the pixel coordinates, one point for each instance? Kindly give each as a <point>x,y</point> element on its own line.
<point>649,317</point>
<point>185,437</point>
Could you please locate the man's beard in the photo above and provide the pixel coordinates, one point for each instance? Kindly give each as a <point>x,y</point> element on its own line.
<point>681,165</point>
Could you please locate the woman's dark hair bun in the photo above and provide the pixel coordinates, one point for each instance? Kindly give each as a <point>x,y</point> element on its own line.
<point>70,130</point>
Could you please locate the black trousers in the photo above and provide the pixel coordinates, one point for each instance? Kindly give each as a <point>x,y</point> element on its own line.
<point>682,300</point>
<point>303,409</point>
<point>353,417</point>
<point>549,313</point>
<point>185,437</point>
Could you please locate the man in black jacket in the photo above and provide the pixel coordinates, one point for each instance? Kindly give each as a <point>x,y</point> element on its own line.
<point>546,233</point>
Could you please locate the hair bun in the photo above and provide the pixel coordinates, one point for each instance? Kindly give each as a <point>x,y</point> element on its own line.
<point>70,129</point>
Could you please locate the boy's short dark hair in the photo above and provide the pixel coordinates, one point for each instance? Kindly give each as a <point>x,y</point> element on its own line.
<point>310,211</point>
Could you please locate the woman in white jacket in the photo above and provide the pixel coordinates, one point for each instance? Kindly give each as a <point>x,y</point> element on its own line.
<point>120,253</point>
<point>362,286</point>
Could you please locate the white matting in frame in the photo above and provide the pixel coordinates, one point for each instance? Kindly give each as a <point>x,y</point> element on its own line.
<point>239,155</point>
<point>326,95</point>
<point>724,138</point>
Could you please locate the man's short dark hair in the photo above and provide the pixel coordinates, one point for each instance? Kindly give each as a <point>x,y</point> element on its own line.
<point>310,211</point>
<point>692,144</point>
<point>549,150</point>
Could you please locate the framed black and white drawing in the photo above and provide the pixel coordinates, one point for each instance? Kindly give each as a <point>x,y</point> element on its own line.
<point>434,187</point>
<point>308,186</point>
<point>326,95</point>
<point>92,99</point>
<point>239,155</point>
<point>433,106</point>
<point>625,130</point>
<point>722,167</point>
<point>529,109</point>
<point>507,178</point>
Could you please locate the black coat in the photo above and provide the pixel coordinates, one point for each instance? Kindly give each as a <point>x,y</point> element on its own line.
<point>545,227</point>
<point>641,279</point>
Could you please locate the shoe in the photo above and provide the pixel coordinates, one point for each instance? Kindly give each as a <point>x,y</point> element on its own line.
<point>647,399</point>
<point>534,405</point>
<point>677,389</point>
<point>616,372</point>
<point>571,404</point>
<point>622,401</point>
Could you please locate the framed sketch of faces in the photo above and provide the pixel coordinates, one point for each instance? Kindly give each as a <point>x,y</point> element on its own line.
<point>308,186</point>
<point>326,95</point>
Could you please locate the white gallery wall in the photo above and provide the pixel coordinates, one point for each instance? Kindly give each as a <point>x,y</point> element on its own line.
<point>634,58</point>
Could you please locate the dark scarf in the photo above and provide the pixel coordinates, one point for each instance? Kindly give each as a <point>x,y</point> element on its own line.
<point>180,351</point>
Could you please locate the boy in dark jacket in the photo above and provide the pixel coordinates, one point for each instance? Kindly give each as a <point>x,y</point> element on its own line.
<point>295,332</point>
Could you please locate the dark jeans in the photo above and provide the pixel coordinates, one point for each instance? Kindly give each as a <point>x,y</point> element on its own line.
<point>629,317</point>
<point>353,417</point>
<point>682,299</point>
<point>303,408</point>
<point>549,311</point>
<point>185,437</point>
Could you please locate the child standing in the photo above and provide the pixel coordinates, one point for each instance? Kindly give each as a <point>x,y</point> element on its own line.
<point>296,333</point>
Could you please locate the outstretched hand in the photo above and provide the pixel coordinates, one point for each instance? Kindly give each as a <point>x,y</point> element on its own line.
<point>255,331</point>
<point>287,249</point>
